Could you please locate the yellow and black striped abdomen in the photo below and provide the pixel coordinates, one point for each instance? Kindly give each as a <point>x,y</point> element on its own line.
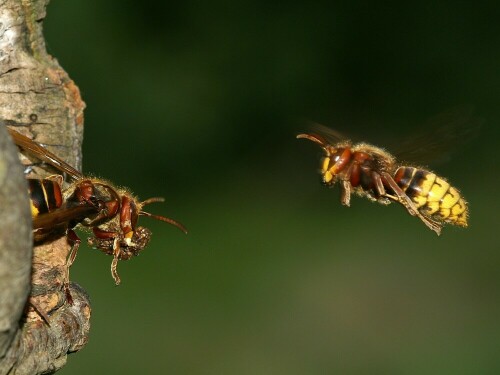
<point>45,195</point>
<point>432,195</point>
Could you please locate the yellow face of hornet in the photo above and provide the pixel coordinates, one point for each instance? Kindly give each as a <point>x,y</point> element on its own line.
<point>332,163</point>
<point>326,173</point>
<point>335,158</point>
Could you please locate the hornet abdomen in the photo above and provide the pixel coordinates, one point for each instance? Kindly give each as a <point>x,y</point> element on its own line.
<point>45,195</point>
<point>433,196</point>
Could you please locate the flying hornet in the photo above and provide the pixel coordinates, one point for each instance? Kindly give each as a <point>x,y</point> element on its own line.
<point>94,204</point>
<point>372,172</point>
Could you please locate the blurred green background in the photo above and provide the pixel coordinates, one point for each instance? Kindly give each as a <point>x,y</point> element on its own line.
<point>200,102</point>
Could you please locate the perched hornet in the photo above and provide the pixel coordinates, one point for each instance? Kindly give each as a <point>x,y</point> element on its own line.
<point>372,172</point>
<point>94,204</point>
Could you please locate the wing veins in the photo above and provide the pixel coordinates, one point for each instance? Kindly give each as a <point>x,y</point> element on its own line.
<point>43,154</point>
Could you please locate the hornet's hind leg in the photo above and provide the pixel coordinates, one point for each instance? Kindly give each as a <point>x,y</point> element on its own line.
<point>402,198</point>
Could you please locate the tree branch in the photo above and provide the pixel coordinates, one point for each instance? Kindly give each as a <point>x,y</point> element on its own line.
<point>15,241</point>
<point>39,99</point>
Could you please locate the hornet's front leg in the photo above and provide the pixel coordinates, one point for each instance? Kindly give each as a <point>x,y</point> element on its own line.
<point>109,243</point>
<point>346,186</point>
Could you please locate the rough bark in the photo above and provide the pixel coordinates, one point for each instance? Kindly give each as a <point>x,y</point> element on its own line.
<point>38,99</point>
<point>15,241</point>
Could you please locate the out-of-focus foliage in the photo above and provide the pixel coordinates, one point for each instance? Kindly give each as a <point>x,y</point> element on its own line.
<point>200,102</point>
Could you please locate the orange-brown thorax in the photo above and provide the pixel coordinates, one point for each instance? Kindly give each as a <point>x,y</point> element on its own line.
<point>372,172</point>
<point>355,164</point>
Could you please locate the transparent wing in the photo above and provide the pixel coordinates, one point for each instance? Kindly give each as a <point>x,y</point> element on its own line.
<point>42,153</point>
<point>331,136</point>
<point>64,215</point>
<point>441,135</point>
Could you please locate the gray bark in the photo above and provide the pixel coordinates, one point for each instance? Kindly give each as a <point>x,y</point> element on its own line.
<point>38,99</point>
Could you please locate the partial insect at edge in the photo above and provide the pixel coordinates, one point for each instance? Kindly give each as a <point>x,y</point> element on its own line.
<point>91,203</point>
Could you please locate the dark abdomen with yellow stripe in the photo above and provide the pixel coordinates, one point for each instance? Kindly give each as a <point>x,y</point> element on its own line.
<point>433,195</point>
<point>45,195</point>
